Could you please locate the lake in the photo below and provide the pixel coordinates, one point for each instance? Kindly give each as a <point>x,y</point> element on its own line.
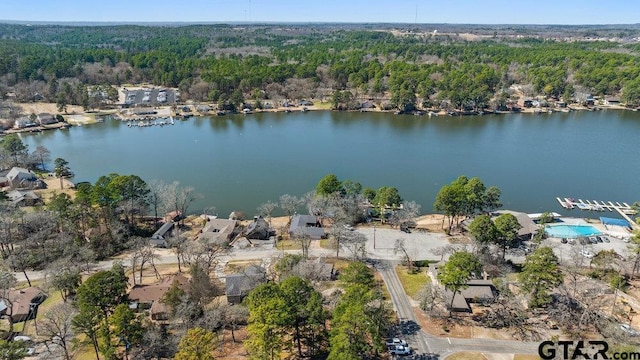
<point>239,162</point>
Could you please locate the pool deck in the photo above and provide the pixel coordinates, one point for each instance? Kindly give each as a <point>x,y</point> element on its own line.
<point>617,232</point>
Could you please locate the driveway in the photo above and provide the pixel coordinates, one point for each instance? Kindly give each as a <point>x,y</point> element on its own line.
<point>423,342</point>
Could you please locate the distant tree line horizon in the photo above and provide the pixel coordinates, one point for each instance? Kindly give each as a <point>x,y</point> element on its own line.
<point>224,64</point>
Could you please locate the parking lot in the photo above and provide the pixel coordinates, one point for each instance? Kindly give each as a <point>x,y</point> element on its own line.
<point>381,242</point>
<point>571,252</point>
<point>149,97</point>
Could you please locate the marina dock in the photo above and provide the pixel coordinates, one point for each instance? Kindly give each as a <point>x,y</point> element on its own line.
<point>623,209</point>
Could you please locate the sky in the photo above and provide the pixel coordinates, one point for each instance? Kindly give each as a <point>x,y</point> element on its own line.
<point>568,12</point>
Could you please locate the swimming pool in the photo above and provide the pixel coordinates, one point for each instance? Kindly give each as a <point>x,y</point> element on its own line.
<point>571,231</point>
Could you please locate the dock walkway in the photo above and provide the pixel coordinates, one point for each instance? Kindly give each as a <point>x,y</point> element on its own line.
<point>623,209</point>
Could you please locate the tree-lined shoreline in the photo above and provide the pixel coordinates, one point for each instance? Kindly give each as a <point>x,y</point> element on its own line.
<point>397,68</point>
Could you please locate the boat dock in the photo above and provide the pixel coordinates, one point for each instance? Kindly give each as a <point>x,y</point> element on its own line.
<point>623,209</point>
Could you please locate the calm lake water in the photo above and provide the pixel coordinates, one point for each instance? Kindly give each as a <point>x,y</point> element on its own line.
<point>240,162</point>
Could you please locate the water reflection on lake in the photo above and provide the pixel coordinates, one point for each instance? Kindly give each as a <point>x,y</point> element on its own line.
<point>238,162</point>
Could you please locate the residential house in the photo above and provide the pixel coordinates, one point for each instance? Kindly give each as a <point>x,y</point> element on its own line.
<point>24,122</point>
<point>612,100</point>
<point>218,231</point>
<point>46,119</point>
<point>20,178</point>
<point>23,198</point>
<point>479,291</point>
<point>159,238</point>
<point>238,286</point>
<point>367,105</point>
<point>203,108</point>
<point>22,305</point>
<point>308,225</point>
<point>314,270</point>
<point>590,100</point>
<point>258,229</point>
<point>148,297</point>
<point>527,103</point>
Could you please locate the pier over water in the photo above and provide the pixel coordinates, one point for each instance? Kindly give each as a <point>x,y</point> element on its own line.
<point>623,209</point>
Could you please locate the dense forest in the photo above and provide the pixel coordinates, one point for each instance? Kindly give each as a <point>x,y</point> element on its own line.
<point>465,68</point>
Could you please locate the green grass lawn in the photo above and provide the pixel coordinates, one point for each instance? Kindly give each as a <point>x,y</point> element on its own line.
<point>328,244</point>
<point>412,283</point>
<point>288,245</point>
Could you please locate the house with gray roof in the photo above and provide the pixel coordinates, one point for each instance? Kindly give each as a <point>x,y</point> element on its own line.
<point>529,227</point>
<point>478,291</point>
<point>46,119</point>
<point>24,122</point>
<point>23,198</point>
<point>239,285</point>
<point>258,229</point>
<point>307,224</point>
<point>218,231</point>
<point>21,178</point>
<point>159,238</point>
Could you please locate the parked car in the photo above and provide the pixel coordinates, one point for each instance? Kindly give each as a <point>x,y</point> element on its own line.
<point>399,350</point>
<point>563,240</point>
<point>396,341</point>
<point>593,240</point>
<point>349,227</point>
<point>586,253</point>
<point>605,239</point>
<point>629,330</point>
<point>30,349</point>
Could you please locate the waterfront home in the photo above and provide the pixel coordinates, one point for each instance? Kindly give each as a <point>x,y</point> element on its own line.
<point>367,105</point>
<point>258,229</point>
<point>159,238</point>
<point>612,100</point>
<point>46,119</point>
<point>21,178</point>
<point>218,231</point>
<point>308,225</point>
<point>24,122</point>
<point>526,103</point>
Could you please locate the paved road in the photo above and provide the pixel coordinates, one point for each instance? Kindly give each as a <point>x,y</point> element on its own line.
<point>423,342</point>
<point>380,248</point>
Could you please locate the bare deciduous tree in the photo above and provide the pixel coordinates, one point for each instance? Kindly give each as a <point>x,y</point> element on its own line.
<point>143,253</point>
<point>401,248</point>
<point>289,204</point>
<point>303,238</point>
<point>355,243</point>
<point>179,198</point>
<point>265,210</point>
<point>56,326</point>
<point>178,244</point>
<point>444,250</point>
